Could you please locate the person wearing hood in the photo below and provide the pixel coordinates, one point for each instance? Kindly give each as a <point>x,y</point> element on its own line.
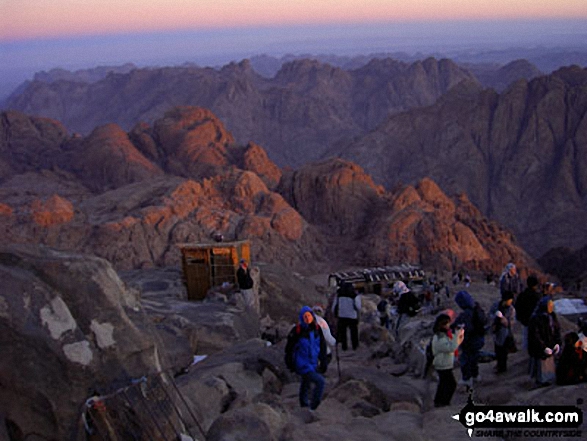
<point>544,341</point>
<point>407,304</point>
<point>472,320</point>
<point>305,354</point>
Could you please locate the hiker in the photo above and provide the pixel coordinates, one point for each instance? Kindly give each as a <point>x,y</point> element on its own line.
<point>305,354</point>
<point>330,340</point>
<point>526,304</point>
<point>503,314</point>
<point>444,345</point>
<point>383,310</point>
<point>474,321</point>
<point>544,340</point>
<point>245,284</point>
<point>467,280</point>
<point>510,280</point>
<point>407,304</point>
<point>572,365</point>
<point>346,308</point>
<point>548,289</point>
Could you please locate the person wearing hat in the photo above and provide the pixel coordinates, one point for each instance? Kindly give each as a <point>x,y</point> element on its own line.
<point>246,283</point>
<point>503,315</point>
<point>510,280</point>
<point>407,304</point>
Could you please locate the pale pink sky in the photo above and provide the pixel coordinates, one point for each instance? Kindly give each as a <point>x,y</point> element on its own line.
<point>25,19</point>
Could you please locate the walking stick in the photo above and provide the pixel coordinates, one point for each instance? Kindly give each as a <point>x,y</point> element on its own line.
<point>337,361</point>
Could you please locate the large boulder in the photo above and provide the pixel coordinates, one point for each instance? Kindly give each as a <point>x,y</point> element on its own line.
<point>68,326</point>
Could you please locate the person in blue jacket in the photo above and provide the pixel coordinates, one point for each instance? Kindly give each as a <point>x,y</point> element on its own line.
<point>473,320</point>
<point>305,354</point>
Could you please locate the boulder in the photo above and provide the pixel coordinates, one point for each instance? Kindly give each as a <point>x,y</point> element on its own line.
<point>68,326</point>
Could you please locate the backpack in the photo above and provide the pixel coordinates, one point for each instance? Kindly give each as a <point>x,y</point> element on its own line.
<point>382,306</point>
<point>479,320</point>
<point>292,339</point>
<point>408,304</point>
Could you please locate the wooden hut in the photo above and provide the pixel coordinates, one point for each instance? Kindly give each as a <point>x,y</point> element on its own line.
<point>206,265</point>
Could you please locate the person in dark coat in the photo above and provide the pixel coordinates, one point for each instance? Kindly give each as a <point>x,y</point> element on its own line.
<point>525,305</point>
<point>503,315</point>
<point>510,280</point>
<point>407,304</point>
<point>246,283</point>
<point>474,339</point>
<point>306,354</point>
<point>544,337</point>
<point>572,365</point>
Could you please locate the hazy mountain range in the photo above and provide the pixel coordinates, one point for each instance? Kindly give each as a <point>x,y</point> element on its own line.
<point>519,154</point>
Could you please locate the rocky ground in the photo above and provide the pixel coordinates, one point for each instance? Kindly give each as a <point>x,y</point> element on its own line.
<point>80,331</point>
<point>377,392</point>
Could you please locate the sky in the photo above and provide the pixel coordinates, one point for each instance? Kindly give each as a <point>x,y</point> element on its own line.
<point>74,34</point>
<point>27,19</point>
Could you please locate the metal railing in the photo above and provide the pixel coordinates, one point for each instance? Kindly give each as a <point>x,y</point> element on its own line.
<point>150,408</point>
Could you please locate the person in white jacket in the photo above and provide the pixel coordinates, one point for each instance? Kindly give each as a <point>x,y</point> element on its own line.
<point>346,308</point>
<point>330,340</point>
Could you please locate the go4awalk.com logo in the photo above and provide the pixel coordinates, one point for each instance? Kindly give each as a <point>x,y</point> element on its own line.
<point>521,421</point>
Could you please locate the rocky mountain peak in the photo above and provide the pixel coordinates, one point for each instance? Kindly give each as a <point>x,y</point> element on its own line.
<point>193,140</point>
<point>431,193</point>
<point>255,159</point>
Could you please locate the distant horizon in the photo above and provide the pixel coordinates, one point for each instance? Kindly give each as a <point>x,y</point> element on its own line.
<point>20,60</point>
<point>28,19</point>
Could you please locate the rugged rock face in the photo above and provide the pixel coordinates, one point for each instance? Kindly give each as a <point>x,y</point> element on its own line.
<point>28,143</point>
<point>569,265</point>
<point>306,108</point>
<point>136,209</point>
<point>336,195</point>
<point>189,141</point>
<point>66,318</point>
<point>519,156</point>
<point>149,208</point>
<point>107,159</point>
<point>410,224</point>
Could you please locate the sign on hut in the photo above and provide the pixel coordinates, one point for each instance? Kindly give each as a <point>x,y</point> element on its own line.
<point>206,265</point>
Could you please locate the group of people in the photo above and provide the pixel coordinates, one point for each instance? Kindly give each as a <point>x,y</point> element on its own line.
<point>533,308</point>
<point>310,342</point>
<point>308,350</point>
